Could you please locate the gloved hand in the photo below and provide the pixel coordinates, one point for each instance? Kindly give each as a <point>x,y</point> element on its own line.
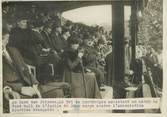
<point>88,70</point>
<point>28,91</point>
<point>80,54</point>
<point>10,94</point>
<point>46,49</point>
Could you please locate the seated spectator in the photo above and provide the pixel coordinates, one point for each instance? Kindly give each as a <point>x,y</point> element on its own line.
<point>90,62</point>
<point>15,73</point>
<point>18,82</point>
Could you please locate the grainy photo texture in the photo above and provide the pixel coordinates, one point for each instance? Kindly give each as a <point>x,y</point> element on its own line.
<point>82,49</point>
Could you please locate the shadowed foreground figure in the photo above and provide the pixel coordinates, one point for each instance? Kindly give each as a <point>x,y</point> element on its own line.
<point>19,83</point>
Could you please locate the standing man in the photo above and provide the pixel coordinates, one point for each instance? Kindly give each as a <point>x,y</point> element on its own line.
<point>56,37</point>
<point>60,37</point>
<point>15,74</point>
<point>50,44</point>
<point>20,38</point>
<point>127,59</point>
<point>19,83</point>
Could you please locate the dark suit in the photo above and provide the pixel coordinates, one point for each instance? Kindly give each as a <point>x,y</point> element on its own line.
<point>38,43</point>
<point>21,39</point>
<point>16,75</point>
<point>53,58</point>
<point>48,41</point>
<point>59,42</point>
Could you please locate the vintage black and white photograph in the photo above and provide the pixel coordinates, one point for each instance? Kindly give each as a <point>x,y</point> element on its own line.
<point>110,49</point>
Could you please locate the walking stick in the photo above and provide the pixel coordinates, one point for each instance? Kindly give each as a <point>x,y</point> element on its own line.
<point>84,80</point>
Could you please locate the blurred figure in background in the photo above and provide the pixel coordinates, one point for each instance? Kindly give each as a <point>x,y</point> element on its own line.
<point>91,63</point>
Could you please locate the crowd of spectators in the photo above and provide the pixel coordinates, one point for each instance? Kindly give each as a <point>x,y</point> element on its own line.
<point>56,46</point>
